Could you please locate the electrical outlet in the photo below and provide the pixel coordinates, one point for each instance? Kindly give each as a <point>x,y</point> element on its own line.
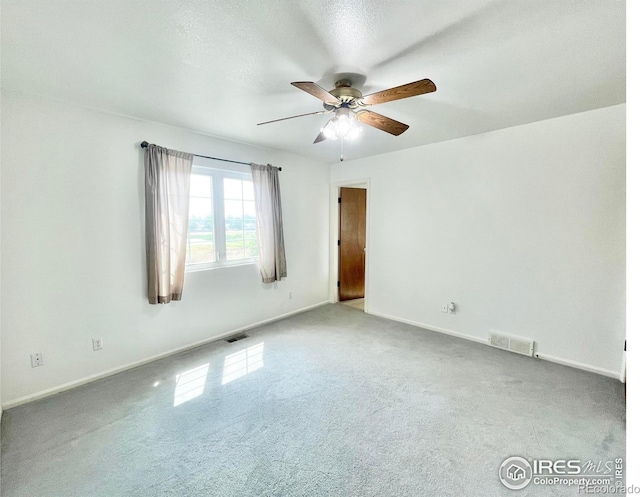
<point>444,308</point>
<point>37,360</point>
<point>97,344</point>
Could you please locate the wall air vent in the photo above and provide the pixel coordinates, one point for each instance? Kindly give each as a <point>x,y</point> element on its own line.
<point>518,345</point>
<point>237,337</point>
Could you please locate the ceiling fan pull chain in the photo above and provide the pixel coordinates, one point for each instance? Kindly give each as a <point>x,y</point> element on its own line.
<point>341,149</point>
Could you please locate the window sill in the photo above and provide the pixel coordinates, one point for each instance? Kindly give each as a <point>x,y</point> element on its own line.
<point>196,268</point>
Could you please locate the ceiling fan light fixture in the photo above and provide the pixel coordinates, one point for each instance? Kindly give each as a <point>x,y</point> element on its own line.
<point>354,133</point>
<point>343,125</point>
<point>329,130</point>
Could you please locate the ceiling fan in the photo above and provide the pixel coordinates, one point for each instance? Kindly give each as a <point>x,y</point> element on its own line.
<point>349,107</point>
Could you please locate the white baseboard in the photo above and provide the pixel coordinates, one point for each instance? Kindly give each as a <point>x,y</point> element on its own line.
<point>558,360</point>
<point>110,372</point>
<point>429,327</point>
<point>580,365</point>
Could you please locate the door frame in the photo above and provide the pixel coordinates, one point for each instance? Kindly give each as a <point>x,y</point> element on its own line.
<point>334,224</point>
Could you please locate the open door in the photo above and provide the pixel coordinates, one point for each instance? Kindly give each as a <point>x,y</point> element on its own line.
<point>351,250</point>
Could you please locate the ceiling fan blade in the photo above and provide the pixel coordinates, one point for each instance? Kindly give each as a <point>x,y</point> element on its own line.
<point>317,91</point>
<point>293,117</point>
<point>381,122</point>
<point>320,138</point>
<point>409,90</point>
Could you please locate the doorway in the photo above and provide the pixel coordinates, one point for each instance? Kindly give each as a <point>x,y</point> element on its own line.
<point>349,264</point>
<point>352,243</point>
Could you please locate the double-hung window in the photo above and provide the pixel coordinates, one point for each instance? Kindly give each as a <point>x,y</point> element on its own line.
<point>222,219</point>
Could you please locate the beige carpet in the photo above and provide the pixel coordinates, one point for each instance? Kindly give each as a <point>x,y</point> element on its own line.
<point>355,303</point>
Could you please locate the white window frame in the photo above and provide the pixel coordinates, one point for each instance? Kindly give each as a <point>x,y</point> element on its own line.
<point>219,225</point>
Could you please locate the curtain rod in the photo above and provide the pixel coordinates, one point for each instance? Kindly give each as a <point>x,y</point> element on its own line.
<point>145,144</point>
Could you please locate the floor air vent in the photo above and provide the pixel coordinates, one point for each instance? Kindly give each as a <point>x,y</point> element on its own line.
<point>235,338</point>
<point>522,346</point>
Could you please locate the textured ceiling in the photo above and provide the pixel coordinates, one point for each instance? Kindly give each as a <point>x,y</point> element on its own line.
<point>221,67</point>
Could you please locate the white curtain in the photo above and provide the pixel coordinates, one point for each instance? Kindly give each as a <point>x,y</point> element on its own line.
<point>266,188</point>
<point>167,181</point>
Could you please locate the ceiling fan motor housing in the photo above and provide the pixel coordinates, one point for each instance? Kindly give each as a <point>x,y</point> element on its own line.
<point>348,96</point>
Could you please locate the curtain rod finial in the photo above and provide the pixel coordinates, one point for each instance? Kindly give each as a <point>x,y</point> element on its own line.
<point>144,144</point>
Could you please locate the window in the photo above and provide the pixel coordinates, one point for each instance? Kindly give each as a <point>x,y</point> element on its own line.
<point>222,219</point>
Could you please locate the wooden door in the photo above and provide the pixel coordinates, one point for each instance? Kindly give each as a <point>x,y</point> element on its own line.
<point>353,215</point>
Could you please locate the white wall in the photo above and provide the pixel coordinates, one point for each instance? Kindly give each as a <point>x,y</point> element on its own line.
<point>524,228</point>
<point>73,253</point>
<point>0,259</point>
